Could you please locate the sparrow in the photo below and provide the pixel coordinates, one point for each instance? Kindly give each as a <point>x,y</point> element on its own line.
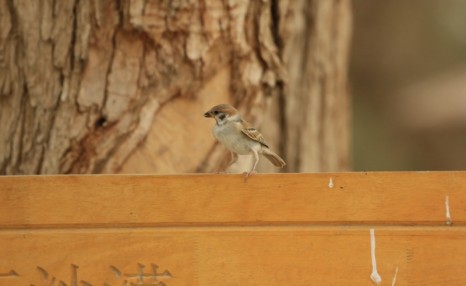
<point>240,137</point>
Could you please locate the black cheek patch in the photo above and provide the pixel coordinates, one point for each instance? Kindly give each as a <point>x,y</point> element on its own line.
<point>221,116</point>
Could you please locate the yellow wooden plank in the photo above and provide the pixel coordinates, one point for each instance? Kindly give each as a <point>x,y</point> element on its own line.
<point>280,199</point>
<point>288,229</point>
<point>233,256</point>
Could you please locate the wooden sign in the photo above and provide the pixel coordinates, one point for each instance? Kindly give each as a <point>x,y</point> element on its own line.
<point>280,229</point>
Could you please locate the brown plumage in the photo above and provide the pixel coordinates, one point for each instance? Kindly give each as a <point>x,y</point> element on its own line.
<point>239,136</point>
<point>252,133</point>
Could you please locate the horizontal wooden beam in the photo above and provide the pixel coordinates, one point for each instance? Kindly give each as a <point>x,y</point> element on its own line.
<point>234,256</point>
<point>392,198</point>
<point>281,229</point>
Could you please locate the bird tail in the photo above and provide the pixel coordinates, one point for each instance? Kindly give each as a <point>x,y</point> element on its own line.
<point>273,158</point>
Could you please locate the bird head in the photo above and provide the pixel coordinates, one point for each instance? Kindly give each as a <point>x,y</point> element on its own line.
<point>223,113</point>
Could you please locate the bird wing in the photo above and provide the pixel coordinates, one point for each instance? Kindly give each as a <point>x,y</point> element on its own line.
<point>252,133</point>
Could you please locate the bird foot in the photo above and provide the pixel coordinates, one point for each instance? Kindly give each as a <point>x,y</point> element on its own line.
<point>246,176</point>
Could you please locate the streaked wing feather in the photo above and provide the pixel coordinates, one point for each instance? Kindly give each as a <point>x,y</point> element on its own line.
<point>252,133</point>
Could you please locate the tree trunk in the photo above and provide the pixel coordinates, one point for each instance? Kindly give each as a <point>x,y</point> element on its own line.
<point>120,86</point>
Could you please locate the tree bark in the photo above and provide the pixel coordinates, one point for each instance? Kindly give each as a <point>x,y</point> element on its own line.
<point>313,106</point>
<point>120,86</point>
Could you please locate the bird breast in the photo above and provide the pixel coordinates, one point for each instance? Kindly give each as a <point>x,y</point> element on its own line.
<point>235,141</point>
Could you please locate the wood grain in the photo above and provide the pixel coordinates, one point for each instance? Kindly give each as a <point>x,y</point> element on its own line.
<point>236,255</point>
<point>281,199</point>
<point>287,229</point>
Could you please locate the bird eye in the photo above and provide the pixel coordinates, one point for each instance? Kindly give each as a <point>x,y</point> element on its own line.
<point>215,112</point>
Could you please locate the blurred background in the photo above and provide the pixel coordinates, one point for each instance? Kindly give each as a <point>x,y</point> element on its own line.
<point>408,85</point>
<point>120,90</point>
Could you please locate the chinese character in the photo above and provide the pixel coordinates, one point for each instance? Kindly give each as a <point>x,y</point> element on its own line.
<point>140,278</point>
<point>51,279</point>
<point>9,274</point>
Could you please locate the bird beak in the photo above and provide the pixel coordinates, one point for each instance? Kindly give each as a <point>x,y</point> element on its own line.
<point>207,114</point>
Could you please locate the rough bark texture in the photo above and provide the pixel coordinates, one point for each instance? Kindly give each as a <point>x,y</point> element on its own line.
<point>313,105</point>
<point>120,86</point>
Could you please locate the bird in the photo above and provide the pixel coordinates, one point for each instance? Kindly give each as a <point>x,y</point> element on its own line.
<point>240,137</point>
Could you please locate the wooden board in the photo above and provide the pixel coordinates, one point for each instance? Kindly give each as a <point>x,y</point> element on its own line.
<point>287,229</point>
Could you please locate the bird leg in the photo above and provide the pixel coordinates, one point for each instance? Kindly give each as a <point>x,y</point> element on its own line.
<point>256,160</point>
<point>234,158</point>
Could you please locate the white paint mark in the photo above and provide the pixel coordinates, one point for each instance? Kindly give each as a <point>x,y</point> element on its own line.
<point>330,183</point>
<point>374,275</point>
<point>394,277</point>
<point>447,208</point>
